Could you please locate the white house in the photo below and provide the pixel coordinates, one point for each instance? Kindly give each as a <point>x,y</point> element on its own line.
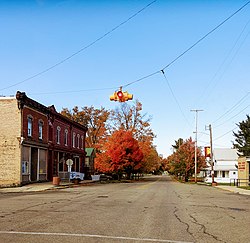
<point>225,166</point>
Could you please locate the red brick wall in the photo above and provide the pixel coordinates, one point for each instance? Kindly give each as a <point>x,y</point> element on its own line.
<point>71,130</point>
<point>36,117</point>
<point>63,126</point>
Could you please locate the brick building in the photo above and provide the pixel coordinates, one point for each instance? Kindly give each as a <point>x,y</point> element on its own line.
<point>66,141</point>
<point>36,142</point>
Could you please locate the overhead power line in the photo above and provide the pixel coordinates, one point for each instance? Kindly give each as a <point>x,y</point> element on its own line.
<point>177,102</point>
<point>82,49</point>
<point>214,81</point>
<point>146,76</point>
<point>233,116</point>
<point>224,134</point>
<point>232,108</point>
<point>192,46</point>
<point>206,35</point>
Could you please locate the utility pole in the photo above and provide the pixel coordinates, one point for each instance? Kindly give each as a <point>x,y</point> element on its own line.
<point>212,156</point>
<point>195,150</point>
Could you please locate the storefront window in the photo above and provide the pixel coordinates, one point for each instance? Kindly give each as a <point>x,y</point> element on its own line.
<point>25,167</point>
<point>25,160</point>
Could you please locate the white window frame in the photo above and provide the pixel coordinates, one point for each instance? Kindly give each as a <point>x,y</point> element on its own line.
<point>66,132</point>
<point>58,134</point>
<point>30,126</point>
<point>40,129</point>
<point>74,140</point>
<point>78,141</point>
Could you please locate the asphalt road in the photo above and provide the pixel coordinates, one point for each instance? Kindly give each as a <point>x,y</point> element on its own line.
<point>154,210</point>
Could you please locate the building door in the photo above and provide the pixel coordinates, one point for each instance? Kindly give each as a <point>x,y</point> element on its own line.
<point>34,162</point>
<point>50,165</point>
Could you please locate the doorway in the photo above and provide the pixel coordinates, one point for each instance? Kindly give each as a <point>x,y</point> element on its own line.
<point>34,163</point>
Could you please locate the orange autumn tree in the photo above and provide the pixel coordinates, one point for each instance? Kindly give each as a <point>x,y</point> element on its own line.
<point>151,161</point>
<point>95,119</point>
<point>130,118</point>
<point>182,161</point>
<point>121,153</point>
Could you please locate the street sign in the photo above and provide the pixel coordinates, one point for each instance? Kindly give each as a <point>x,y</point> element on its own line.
<point>69,163</point>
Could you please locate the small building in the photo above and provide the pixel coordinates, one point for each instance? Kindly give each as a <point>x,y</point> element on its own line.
<point>36,141</point>
<point>23,140</point>
<point>89,167</point>
<point>225,166</point>
<point>243,171</point>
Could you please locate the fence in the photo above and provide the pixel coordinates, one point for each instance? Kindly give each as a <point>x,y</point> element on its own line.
<point>239,182</point>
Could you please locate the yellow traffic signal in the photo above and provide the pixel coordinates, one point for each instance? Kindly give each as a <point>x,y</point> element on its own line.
<point>121,96</point>
<point>127,96</point>
<point>113,97</point>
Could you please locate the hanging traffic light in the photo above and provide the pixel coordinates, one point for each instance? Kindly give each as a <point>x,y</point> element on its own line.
<point>113,97</point>
<point>127,96</point>
<point>121,96</point>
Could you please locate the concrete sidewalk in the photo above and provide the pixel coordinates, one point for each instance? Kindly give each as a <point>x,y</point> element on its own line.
<point>234,189</point>
<point>43,186</point>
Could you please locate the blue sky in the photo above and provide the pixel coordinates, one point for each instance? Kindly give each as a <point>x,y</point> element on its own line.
<point>212,76</point>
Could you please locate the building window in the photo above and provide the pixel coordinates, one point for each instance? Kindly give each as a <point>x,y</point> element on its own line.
<point>29,126</point>
<point>82,142</point>
<point>50,131</point>
<point>225,174</point>
<point>25,167</point>
<point>58,133</point>
<point>40,129</point>
<point>78,140</point>
<point>74,140</point>
<point>66,137</point>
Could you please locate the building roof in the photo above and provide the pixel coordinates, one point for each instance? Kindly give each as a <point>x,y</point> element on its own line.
<point>226,167</point>
<point>225,154</point>
<point>23,99</point>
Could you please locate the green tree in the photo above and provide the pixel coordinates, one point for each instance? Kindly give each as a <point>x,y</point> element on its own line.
<point>178,143</point>
<point>242,137</point>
